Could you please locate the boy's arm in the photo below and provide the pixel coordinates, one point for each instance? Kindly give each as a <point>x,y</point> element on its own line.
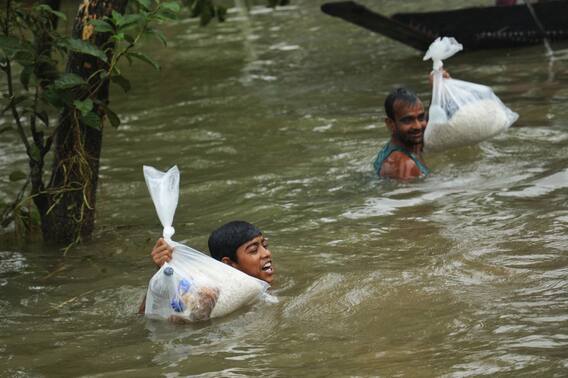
<point>161,253</point>
<point>142,308</point>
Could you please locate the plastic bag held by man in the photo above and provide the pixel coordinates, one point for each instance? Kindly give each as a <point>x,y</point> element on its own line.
<point>192,286</point>
<point>461,113</point>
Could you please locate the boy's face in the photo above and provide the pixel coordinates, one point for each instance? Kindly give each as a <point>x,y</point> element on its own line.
<point>255,259</point>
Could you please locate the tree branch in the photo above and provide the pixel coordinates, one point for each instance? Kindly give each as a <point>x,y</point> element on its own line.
<point>7,24</point>
<point>7,215</point>
<point>19,126</point>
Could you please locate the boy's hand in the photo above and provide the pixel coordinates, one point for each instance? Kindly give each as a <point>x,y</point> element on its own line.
<point>161,253</point>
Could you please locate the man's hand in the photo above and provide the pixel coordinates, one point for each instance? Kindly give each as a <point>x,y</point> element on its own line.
<point>161,253</point>
<point>445,75</point>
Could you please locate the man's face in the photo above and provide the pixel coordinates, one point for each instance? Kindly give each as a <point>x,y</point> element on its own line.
<point>255,259</point>
<point>409,122</point>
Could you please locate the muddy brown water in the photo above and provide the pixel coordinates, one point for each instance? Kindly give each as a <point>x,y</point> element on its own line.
<point>275,119</point>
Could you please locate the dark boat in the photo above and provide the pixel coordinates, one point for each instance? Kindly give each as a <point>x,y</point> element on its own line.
<point>476,27</point>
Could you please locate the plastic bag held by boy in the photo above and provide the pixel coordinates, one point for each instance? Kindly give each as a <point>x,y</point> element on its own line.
<point>192,286</point>
<point>461,113</point>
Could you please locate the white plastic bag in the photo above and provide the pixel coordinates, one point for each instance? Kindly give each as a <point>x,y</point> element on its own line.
<point>461,113</point>
<point>192,286</point>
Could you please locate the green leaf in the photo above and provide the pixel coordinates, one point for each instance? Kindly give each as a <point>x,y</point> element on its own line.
<point>18,100</point>
<point>116,17</point>
<point>13,101</point>
<point>168,10</point>
<point>221,13</point>
<point>196,7</point>
<point>108,113</point>
<point>207,14</point>
<point>24,57</point>
<point>127,56</point>
<point>6,129</point>
<point>53,97</point>
<point>43,117</point>
<point>146,4</point>
<point>101,26</point>
<point>118,37</point>
<point>46,68</point>
<point>171,6</point>
<point>159,35</point>
<point>145,58</point>
<point>68,80</point>
<point>47,8</point>
<point>129,39</point>
<point>112,117</point>
<point>35,218</point>
<point>84,106</point>
<point>83,47</point>
<point>121,81</point>
<point>10,45</point>
<point>92,119</point>
<point>17,176</point>
<point>34,153</point>
<point>129,20</point>
<point>26,75</point>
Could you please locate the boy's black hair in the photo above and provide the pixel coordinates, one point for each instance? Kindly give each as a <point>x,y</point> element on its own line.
<point>224,241</point>
<point>403,94</point>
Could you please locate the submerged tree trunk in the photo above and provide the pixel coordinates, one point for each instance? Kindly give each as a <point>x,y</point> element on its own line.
<point>69,208</point>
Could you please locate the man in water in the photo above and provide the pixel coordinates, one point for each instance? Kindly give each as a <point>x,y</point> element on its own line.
<point>401,157</point>
<point>238,244</point>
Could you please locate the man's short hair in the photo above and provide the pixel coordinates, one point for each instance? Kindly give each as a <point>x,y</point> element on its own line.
<point>399,94</point>
<point>224,241</point>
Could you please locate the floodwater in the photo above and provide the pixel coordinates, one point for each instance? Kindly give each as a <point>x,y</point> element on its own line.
<point>275,119</point>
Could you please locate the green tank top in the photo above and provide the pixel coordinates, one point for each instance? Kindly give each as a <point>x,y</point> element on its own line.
<point>388,149</point>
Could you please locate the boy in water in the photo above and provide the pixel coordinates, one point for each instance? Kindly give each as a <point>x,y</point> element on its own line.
<point>238,244</point>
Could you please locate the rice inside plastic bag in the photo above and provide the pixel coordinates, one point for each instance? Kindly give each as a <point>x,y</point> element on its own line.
<point>461,113</point>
